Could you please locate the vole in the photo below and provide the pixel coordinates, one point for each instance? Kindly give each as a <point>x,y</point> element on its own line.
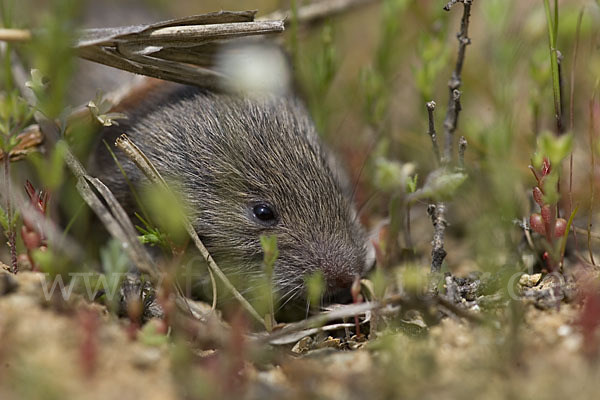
<point>246,167</point>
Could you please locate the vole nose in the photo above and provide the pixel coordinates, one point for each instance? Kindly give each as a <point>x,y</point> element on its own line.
<point>338,279</point>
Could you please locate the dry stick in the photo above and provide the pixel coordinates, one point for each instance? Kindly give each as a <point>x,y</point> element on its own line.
<point>357,309</point>
<point>432,133</point>
<point>451,120</point>
<point>321,319</point>
<point>437,211</point>
<point>451,3</point>
<point>439,224</point>
<point>140,159</point>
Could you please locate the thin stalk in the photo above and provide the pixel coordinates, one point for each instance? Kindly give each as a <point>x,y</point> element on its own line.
<point>407,237</point>
<point>432,133</point>
<point>552,35</point>
<point>563,245</point>
<point>572,110</point>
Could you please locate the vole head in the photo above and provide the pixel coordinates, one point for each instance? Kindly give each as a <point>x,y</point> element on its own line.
<point>252,167</point>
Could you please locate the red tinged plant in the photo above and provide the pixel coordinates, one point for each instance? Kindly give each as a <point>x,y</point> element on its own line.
<point>32,235</point>
<point>89,347</point>
<point>546,222</point>
<point>589,319</point>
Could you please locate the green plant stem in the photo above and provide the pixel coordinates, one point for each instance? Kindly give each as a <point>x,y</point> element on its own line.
<point>552,36</point>
<point>566,235</point>
<point>407,237</point>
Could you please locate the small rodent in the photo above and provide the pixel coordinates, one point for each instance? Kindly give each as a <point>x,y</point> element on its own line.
<point>248,167</point>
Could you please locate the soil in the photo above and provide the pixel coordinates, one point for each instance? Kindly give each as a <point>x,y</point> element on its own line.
<point>52,348</point>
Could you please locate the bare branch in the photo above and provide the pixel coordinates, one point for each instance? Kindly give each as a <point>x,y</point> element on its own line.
<point>449,5</point>
<point>437,213</point>
<point>451,120</point>
<point>432,133</point>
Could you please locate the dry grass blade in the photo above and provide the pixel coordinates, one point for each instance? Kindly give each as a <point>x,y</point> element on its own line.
<point>140,159</point>
<point>15,35</point>
<point>319,320</point>
<point>109,36</point>
<point>28,142</point>
<point>125,230</point>
<point>120,228</point>
<point>180,50</point>
<point>153,67</point>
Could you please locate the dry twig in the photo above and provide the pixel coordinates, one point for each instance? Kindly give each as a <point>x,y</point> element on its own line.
<point>437,211</point>
<point>144,164</point>
<point>432,133</point>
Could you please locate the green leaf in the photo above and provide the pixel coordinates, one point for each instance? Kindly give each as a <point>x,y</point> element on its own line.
<point>551,194</point>
<point>271,252</point>
<point>150,336</point>
<point>3,219</point>
<point>152,235</point>
<point>440,185</point>
<point>411,183</point>
<point>113,258</point>
<point>391,175</point>
<point>100,107</point>
<point>315,286</point>
<point>15,218</point>
<point>556,148</point>
<point>37,83</point>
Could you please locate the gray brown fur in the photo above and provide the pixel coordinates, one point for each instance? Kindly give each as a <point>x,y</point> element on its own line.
<point>228,153</point>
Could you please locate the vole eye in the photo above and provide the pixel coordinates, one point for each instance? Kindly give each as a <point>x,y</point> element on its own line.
<point>264,213</point>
